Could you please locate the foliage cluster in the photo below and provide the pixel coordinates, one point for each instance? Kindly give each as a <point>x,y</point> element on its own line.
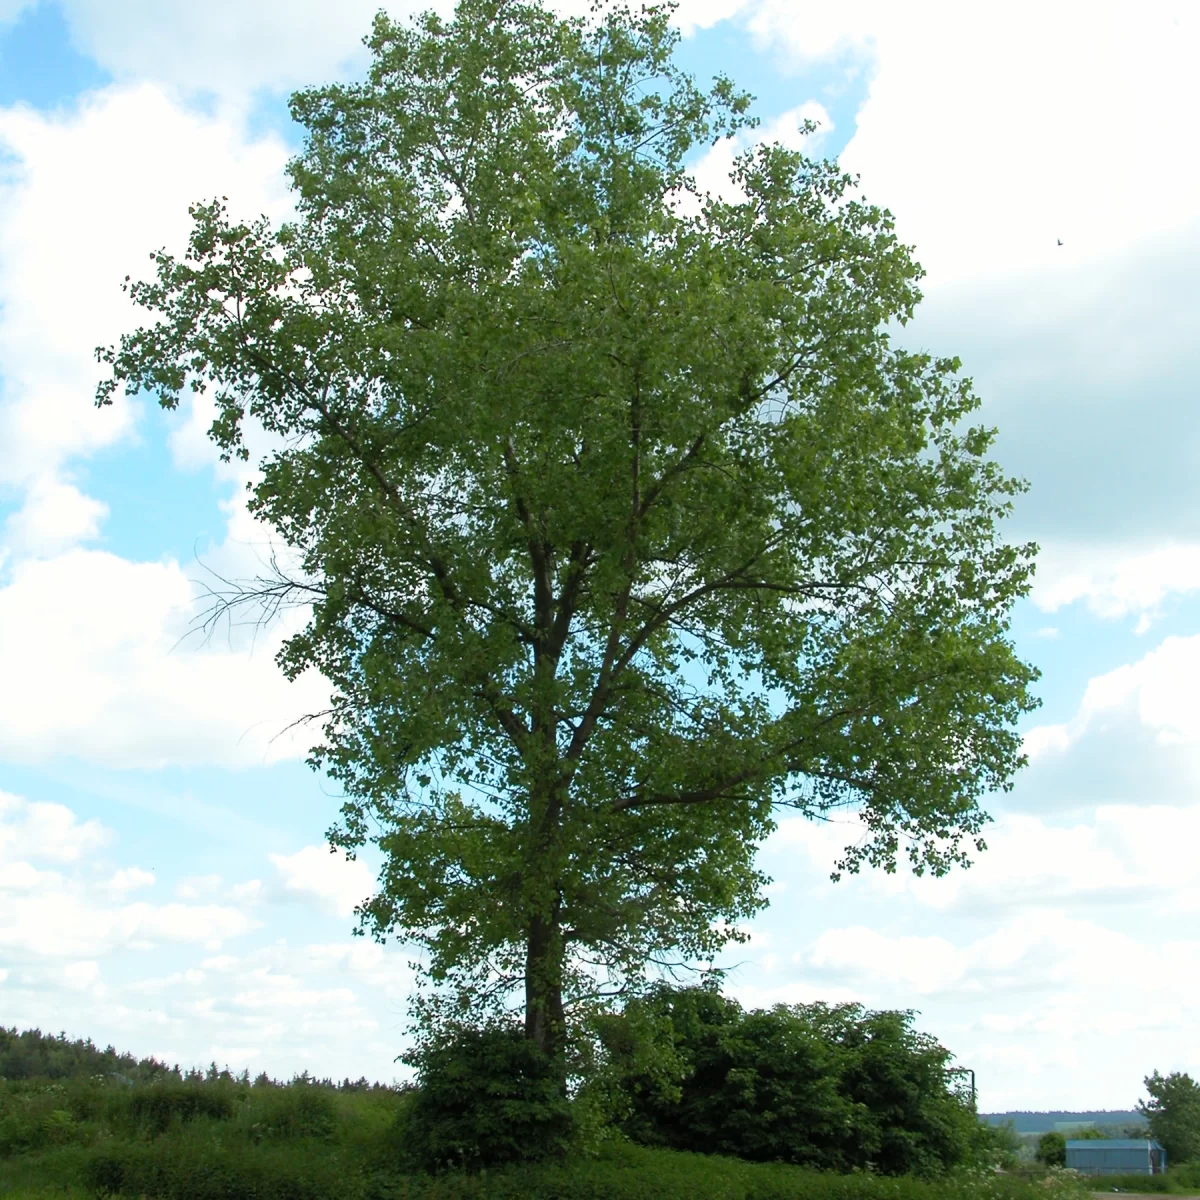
<point>36,1114</point>
<point>830,1087</point>
<point>1173,1114</point>
<point>487,1097</point>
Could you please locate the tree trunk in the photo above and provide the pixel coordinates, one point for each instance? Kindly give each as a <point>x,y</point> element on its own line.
<point>544,1021</point>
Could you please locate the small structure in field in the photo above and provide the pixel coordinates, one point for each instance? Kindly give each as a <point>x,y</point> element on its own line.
<point>1116,1156</point>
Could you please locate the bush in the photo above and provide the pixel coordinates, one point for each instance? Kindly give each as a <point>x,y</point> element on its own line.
<point>997,1145</point>
<point>197,1172</point>
<point>35,1114</point>
<point>1052,1149</point>
<point>834,1088</point>
<point>153,1107</point>
<point>485,1097</point>
<point>1146,1184</point>
<point>299,1111</point>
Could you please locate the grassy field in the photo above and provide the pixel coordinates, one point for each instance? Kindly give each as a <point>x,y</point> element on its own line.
<point>231,1141</point>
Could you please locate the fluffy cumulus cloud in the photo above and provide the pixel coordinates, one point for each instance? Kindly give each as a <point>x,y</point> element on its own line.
<point>1132,583</point>
<point>330,878</point>
<point>79,210</point>
<point>111,675</point>
<point>1096,864</point>
<point>994,132</point>
<point>45,832</point>
<point>55,515</point>
<point>59,905</point>
<point>94,638</point>
<point>225,47</point>
<point>1135,738</point>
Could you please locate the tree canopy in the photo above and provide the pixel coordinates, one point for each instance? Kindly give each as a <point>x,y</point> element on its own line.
<point>1173,1114</point>
<point>623,521</point>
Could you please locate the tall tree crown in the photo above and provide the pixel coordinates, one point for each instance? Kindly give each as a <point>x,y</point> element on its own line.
<point>622,519</point>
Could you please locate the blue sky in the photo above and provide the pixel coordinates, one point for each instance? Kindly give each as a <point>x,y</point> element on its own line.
<point>164,883</point>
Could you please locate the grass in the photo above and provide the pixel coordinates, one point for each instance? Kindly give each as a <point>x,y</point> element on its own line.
<point>1178,1181</point>
<point>228,1141</point>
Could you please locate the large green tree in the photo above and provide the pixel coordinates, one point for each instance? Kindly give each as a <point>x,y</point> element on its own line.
<point>1173,1114</point>
<point>622,519</point>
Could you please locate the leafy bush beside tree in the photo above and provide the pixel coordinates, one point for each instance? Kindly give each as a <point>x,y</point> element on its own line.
<point>1052,1149</point>
<point>486,1097</point>
<point>831,1087</point>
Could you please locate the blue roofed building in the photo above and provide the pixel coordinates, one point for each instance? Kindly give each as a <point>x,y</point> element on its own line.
<point>1116,1156</point>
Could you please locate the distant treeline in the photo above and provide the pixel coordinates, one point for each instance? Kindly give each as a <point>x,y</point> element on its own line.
<point>1044,1122</point>
<point>36,1055</point>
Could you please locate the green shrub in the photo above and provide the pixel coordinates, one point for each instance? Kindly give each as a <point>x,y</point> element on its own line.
<point>35,1114</point>
<point>1052,1149</point>
<point>153,1107</point>
<point>1184,1175</point>
<point>485,1097</point>
<point>183,1171</point>
<point>834,1088</point>
<point>298,1111</point>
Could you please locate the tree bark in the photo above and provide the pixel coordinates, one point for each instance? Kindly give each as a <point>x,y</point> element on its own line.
<point>544,1020</point>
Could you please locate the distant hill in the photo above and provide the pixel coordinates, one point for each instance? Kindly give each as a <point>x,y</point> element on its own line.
<point>1044,1122</point>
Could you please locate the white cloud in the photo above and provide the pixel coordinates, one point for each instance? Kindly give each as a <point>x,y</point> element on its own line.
<point>197,886</point>
<point>58,919</point>
<point>79,212</point>
<point>224,46</point>
<point>1114,859</point>
<point>83,975</point>
<point>980,128</point>
<point>44,832</point>
<point>916,964</point>
<point>129,879</point>
<point>55,516</point>
<point>1115,584</point>
<point>95,641</point>
<point>1154,699</point>
<point>332,878</point>
<point>48,915</point>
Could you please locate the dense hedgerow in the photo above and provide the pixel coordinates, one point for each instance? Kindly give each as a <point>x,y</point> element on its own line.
<point>619,1173</point>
